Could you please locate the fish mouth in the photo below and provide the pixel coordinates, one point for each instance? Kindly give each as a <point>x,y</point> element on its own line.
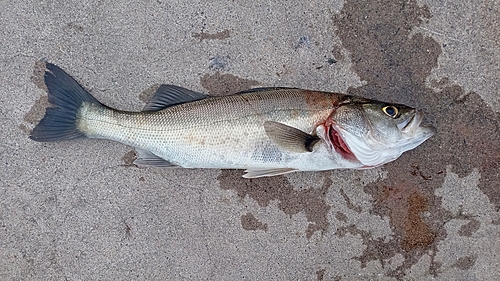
<point>412,126</point>
<point>339,144</point>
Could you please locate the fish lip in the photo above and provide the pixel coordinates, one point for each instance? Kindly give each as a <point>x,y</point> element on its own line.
<point>412,126</point>
<point>413,123</point>
<point>401,126</point>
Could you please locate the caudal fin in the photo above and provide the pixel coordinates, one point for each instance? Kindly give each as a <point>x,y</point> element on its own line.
<point>60,121</point>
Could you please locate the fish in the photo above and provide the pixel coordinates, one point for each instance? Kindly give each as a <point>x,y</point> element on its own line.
<point>265,131</point>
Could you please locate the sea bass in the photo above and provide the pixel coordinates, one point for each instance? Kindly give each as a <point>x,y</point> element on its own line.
<point>266,131</point>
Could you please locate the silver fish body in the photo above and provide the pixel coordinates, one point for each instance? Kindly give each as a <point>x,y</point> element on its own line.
<point>265,131</point>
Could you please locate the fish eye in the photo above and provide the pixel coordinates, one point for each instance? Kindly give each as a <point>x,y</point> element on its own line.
<point>391,111</point>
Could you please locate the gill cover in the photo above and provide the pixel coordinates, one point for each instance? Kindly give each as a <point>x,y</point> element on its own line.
<point>378,133</point>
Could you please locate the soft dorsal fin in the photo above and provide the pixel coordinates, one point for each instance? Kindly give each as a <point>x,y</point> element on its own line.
<point>290,138</point>
<point>169,95</point>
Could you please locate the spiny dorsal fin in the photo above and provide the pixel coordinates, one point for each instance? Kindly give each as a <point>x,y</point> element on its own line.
<point>169,95</point>
<point>146,158</point>
<point>290,138</point>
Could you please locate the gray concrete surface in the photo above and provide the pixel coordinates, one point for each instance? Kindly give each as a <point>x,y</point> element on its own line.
<point>79,211</point>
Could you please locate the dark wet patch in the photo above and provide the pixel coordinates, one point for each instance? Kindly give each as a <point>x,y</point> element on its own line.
<point>221,35</point>
<point>249,222</point>
<point>348,202</point>
<point>147,94</point>
<point>377,35</point>
<point>405,205</point>
<point>469,228</point>
<point>37,77</point>
<point>320,274</point>
<point>377,249</point>
<point>225,84</point>
<point>382,249</point>
<point>129,158</point>
<point>466,262</point>
<point>395,66</point>
<point>25,128</point>
<point>74,26</point>
<point>336,54</point>
<point>310,201</point>
<point>341,216</point>
<point>37,111</point>
<point>441,84</point>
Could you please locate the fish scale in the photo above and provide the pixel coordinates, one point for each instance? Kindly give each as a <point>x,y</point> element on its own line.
<point>215,132</point>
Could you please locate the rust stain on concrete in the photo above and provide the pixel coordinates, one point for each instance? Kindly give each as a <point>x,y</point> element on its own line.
<point>417,234</point>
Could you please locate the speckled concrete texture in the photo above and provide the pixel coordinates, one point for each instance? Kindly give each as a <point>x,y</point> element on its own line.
<point>79,210</point>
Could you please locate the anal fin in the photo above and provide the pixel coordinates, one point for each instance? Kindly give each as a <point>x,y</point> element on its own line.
<point>258,173</point>
<point>146,158</point>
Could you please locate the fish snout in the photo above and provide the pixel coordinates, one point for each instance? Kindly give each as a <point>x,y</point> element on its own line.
<point>412,126</point>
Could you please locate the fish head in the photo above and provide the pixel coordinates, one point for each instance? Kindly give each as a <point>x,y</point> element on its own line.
<point>375,133</point>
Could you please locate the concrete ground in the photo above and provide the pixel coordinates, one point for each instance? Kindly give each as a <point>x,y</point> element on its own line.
<point>78,210</point>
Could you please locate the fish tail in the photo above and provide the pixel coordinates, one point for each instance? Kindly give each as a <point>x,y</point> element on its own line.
<point>67,96</point>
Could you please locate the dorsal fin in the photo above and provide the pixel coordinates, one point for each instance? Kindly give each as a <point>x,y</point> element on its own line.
<point>169,95</point>
<point>263,89</point>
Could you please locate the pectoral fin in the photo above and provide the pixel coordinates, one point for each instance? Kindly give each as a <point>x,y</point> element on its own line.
<point>258,173</point>
<point>146,158</point>
<point>290,138</point>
